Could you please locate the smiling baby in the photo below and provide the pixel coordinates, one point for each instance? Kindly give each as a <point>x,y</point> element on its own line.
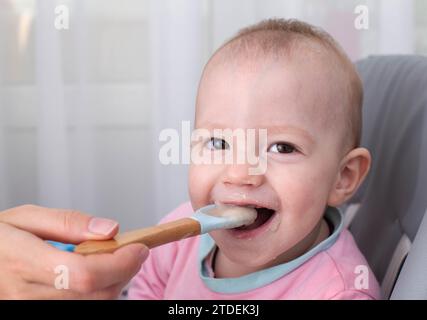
<point>294,81</point>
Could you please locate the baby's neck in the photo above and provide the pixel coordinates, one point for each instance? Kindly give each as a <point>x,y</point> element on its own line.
<point>225,268</point>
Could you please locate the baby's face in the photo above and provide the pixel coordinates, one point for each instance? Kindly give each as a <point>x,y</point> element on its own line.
<point>291,100</point>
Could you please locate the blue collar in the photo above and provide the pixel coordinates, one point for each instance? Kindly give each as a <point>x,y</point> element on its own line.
<point>263,277</point>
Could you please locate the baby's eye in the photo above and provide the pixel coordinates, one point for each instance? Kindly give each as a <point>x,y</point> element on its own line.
<point>217,144</point>
<point>282,147</point>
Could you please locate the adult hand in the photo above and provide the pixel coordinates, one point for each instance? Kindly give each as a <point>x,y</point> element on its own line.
<point>30,267</point>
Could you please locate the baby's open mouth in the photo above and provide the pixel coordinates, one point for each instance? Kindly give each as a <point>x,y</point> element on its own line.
<point>264,215</point>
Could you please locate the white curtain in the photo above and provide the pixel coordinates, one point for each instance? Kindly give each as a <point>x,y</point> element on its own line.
<point>176,65</point>
<point>65,146</point>
<point>3,188</point>
<point>53,145</point>
<point>397,19</point>
<point>81,109</point>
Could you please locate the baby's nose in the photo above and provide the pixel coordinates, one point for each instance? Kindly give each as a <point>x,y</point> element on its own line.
<point>240,174</point>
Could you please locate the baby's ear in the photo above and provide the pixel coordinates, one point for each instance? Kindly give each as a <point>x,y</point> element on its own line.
<point>353,170</point>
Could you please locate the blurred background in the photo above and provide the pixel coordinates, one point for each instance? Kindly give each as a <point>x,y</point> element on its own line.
<point>81,108</point>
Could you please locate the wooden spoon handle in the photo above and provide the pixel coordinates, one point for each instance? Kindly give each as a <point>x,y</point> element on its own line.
<point>151,237</point>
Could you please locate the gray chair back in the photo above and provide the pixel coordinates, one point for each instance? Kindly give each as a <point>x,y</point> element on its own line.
<point>393,198</point>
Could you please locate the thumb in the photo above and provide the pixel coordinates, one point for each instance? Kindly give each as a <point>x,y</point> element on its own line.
<point>59,224</point>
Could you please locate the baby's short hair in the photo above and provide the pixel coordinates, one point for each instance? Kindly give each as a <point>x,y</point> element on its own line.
<point>281,36</point>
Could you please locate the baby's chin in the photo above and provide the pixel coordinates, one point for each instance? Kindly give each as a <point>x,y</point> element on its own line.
<point>249,252</point>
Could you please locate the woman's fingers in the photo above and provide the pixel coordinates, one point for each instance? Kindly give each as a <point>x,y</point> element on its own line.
<point>27,260</point>
<point>99,271</point>
<point>39,262</point>
<point>59,224</point>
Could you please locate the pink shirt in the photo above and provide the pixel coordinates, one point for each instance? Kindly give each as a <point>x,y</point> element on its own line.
<point>172,271</point>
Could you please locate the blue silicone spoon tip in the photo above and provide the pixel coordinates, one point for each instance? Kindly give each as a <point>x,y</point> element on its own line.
<point>62,246</point>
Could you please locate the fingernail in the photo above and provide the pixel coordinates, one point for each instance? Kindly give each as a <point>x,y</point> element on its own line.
<point>102,226</point>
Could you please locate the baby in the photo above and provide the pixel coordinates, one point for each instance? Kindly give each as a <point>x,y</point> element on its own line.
<point>294,81</point>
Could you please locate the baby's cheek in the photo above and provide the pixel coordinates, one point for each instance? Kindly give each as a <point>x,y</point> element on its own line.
<point>309,203</point>
<point>294,189</point>
<point>200,182</point>
<point>303,202</point>
<point>310,187</point>
<point>195,189</point>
